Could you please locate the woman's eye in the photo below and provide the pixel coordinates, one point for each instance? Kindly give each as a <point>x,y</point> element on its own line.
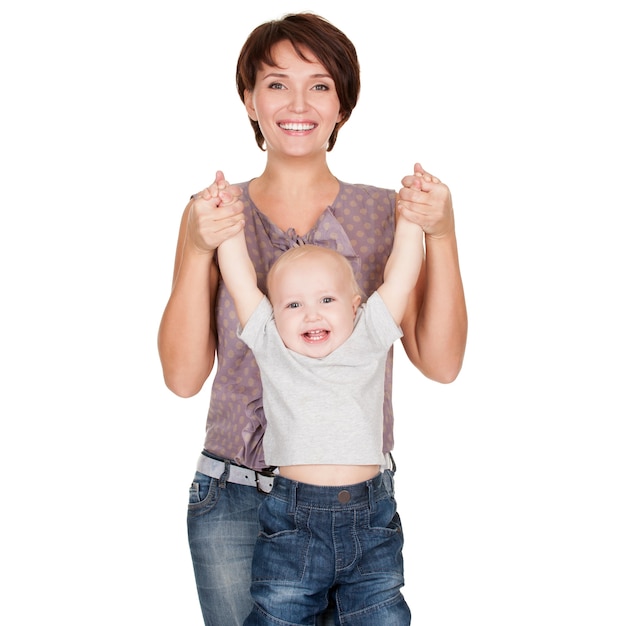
<point>320,88</point>
<point>276,86</point>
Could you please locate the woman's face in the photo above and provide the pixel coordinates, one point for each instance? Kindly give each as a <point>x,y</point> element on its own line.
<point>295,103</point>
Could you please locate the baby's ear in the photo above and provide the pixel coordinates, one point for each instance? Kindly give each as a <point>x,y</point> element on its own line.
<point>356,301</point>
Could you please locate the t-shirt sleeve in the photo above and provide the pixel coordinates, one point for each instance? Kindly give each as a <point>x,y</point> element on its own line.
<point>254,331</point>
<point>379,321</point>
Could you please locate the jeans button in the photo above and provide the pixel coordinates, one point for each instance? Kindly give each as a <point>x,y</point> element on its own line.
<point>343,496</point>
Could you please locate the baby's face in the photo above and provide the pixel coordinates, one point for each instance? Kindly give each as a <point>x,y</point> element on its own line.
<point>314,305</point>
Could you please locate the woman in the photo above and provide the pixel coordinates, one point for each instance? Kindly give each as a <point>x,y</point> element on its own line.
<point>298,78</point>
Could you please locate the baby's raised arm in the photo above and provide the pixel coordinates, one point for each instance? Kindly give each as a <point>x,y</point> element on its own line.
<point>403,267</point>
<point>239,275</point>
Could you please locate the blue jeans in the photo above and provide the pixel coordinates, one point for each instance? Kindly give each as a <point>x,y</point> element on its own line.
<point>223,526</point>
<point>316,539</point>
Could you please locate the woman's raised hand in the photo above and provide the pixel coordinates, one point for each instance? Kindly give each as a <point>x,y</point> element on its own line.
<point>215,214</point>
<point>425,200</point>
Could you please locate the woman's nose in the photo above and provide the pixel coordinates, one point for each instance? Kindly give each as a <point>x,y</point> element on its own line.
<point>298,102</point>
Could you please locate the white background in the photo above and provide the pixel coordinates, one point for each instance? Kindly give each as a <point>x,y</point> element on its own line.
<point>511,480</point>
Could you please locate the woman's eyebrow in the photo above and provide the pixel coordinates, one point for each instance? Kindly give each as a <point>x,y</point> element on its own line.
<point>282,75</point>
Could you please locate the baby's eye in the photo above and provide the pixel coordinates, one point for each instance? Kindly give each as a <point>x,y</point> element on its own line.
<point>327,300</point>
<point>293,305</point>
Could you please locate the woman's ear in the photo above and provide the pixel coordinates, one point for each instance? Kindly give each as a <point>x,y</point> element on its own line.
<point>247,99</point>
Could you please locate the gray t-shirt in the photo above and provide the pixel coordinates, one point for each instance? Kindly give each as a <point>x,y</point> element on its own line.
<point>324,410</point>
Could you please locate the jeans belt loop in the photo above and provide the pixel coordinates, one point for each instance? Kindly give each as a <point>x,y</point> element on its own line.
<point>224,477</point>
<point>293,497</point>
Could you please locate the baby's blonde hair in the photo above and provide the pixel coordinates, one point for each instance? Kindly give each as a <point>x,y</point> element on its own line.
<point>311,250</point>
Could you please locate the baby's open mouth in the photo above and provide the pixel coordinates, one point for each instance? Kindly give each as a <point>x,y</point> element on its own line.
<point>318,334</point>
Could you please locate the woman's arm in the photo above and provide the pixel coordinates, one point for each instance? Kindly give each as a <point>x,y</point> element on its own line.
<point>435,322</point>
<point>187,335</point>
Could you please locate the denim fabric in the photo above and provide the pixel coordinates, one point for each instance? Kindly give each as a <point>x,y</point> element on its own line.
<point>314,539</point>
<point>223,527</point>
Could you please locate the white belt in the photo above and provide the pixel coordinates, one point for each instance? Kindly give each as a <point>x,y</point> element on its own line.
<point>263,481</point>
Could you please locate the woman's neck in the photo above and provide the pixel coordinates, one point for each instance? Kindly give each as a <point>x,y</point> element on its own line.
<point>295,175</point>
<point>294,194</point>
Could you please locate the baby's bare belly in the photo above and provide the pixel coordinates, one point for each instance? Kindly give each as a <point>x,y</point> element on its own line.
<point>330,475</point>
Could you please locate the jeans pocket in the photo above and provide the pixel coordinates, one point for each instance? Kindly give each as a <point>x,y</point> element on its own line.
<point>203,493</point>
<point>383,541</point>
<point>274,519</point>
<point>282,546</point>
<point>384,516</point>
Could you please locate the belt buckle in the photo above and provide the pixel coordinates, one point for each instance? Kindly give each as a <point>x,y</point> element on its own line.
<point>266,474</point>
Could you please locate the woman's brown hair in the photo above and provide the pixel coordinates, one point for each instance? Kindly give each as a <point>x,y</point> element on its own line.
<point>330,46</point>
